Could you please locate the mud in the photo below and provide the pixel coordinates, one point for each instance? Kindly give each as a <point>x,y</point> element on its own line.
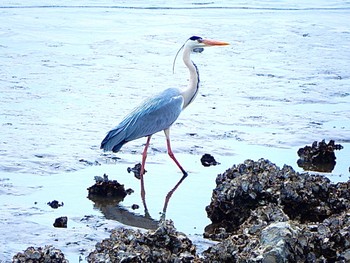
<point>70,70</point>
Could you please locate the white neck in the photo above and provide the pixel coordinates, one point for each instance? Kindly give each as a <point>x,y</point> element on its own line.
<point>191,91</point>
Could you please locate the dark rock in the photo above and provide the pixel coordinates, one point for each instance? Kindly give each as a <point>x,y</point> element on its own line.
<point>162,245</point>
<point>106,188</point>
<point>270,243</point>
<point>208,160</point>
<point>303,197</point>
<point>136,170</point>
<point>48,254</point>
<point>319,156</point>
<point>129,191</point>
<point>55,204</point>
<point>135,206</point>
<point>240,190</point>
<point>61,222</point>
<point>101,179</point>
<point>262,213</point>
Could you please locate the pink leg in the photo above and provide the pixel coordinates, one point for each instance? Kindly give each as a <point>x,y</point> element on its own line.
<point>144,156</point>
<point>172,156</point>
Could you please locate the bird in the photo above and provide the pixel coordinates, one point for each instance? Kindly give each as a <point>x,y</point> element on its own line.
<point>158,113</point>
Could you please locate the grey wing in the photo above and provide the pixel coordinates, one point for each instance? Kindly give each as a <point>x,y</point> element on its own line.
<point>154,115</point>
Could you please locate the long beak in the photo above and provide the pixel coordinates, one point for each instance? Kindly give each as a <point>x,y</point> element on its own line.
<point>209,42</point>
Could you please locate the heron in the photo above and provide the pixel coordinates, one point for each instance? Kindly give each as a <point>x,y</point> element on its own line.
<point>158,113</point>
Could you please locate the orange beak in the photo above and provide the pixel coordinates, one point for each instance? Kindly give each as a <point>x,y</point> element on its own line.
<point>209,42</point>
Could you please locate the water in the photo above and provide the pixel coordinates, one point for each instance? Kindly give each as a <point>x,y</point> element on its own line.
<point>69,72</point>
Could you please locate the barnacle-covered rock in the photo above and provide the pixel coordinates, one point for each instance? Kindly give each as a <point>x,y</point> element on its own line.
<point>319,156</point>
<point>48,254</point>
<point>287,241</point>
<point>264,237</point>
<point>162,245</point>
<point>329,239</point>
<point>313,198</point>
<point>107,188</point>
<point>262,213</point>
<point>301,196</point>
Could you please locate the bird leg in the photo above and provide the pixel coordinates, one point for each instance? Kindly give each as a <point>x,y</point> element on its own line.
<point>142,171</point>
<point>172,156</point>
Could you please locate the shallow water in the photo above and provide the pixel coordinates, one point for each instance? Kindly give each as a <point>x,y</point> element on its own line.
<point>70,72</point>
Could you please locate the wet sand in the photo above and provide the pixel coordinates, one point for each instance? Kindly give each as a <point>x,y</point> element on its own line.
<point>69,73</point>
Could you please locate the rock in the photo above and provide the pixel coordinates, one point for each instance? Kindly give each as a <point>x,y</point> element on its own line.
<point>136,170</point>
<point>135,206</point>
<point>107,188</point>
<point>162,245</point>
<point>274,241</point>
<point>263,237</point>
<point>262,213</point>
<point>61,222</point>
<point>208,160</point>
<point>55,204</point>
<point>101,179</point>
<point>303,197</point>
<point>48,254</point>
<point>319,156</point>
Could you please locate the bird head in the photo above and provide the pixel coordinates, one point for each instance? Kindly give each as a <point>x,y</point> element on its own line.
<point>197,44</point>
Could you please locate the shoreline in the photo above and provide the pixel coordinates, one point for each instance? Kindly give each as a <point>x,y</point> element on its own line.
<point>26,197</point>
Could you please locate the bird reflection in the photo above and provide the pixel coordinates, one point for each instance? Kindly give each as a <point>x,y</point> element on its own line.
<point>110,207</point>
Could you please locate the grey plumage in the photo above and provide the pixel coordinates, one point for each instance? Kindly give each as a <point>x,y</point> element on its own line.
<point>153,115</point>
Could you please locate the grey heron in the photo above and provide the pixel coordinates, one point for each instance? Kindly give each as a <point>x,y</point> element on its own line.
<point>158,113</point>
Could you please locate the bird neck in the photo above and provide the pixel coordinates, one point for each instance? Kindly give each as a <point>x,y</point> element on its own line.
<point>191,91</point>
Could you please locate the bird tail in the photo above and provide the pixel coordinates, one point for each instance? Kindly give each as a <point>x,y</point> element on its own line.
<point>114,140</point>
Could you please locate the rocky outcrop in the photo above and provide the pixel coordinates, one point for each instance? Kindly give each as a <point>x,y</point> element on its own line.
<point>48,254</point>
<point>162,245</point>
<point>262,213</point>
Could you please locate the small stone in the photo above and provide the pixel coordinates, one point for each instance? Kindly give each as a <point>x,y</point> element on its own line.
<point>135,206</point>
<point>136,170</point>
<point>61,222</point>
<point>208,160</point>
<point>55,204</point>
